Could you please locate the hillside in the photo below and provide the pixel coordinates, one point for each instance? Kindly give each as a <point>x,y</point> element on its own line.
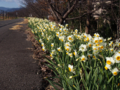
<point>9,9</point>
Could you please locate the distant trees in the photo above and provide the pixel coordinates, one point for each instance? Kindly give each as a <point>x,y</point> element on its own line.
<point>36,8</point>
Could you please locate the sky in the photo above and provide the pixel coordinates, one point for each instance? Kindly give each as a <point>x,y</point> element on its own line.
<point>10,3</point>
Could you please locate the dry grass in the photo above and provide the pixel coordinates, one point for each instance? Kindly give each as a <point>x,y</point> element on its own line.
<point>19,25</point>
<point>24,22</point>
<point>16,27</point>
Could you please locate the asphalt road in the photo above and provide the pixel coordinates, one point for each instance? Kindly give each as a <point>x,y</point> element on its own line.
<point>17,68</point>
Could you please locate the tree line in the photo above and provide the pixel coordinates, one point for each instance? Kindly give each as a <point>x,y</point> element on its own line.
<point>102,16</point>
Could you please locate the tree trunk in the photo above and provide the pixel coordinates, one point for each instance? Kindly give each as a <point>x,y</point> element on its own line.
<point>80,27</point>
<point>87,30</point>
<point>80,20</point>
<point>118,28</point>
<point>87,26</point>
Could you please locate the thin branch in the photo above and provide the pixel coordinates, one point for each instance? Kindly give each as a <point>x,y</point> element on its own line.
<point>55,10</point>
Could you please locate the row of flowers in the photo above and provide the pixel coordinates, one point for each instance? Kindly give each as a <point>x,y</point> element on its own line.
<point>79,60</point>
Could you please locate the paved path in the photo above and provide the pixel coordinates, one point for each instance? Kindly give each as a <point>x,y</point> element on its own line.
<point>17,70</point>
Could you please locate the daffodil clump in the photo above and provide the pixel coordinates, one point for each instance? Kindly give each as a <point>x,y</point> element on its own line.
<point>79,60</point>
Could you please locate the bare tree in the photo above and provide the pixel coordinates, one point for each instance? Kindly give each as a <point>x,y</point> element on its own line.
<point>60,14</point>
<point>84,11</point>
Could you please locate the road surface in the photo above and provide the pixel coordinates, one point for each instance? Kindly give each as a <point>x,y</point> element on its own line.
<point>17,70</point>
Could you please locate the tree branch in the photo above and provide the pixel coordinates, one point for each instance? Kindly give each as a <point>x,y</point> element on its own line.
<point>82,15</point>
<point>71,8</point>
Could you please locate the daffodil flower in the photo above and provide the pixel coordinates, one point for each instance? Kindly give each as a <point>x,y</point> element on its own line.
<point>70,38</point>
<point>115,71</point>
<point>89,44</point>
<point>67,44</point>
<point>84,35</point>
<point>70,54</point>
<point>40,40</point>
<point>110,60</point>
<point>79,37</point>
<point>42,44</point>
<point>76,31</point>
<point>43,48</point>
<point>117,57</point>
<point>101,47</point>
<point>107,66</point>
<point>62,38</point>
<point>94,48</point>
<point>96,40</point>
<point>83,58</point>
<point>100,39</point>
<point>52,44</point>
<point>109,38</point>
<point>71,77</point>
<point>83,47</point>
<point>67,48</point>
<point>57,34</point>
<point>53,52</point>
<point>112,49</point>
<point>96,35</point>
<point>70,68</point>
<point>88,38</point>
<point>59,49</point>
<point>75,53</point>
<point>65,29</point>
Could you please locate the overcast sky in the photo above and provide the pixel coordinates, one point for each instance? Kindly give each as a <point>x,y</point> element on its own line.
<point>10,3</point>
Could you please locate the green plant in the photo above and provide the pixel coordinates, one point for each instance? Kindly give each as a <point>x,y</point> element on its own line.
<point>80,61</point>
